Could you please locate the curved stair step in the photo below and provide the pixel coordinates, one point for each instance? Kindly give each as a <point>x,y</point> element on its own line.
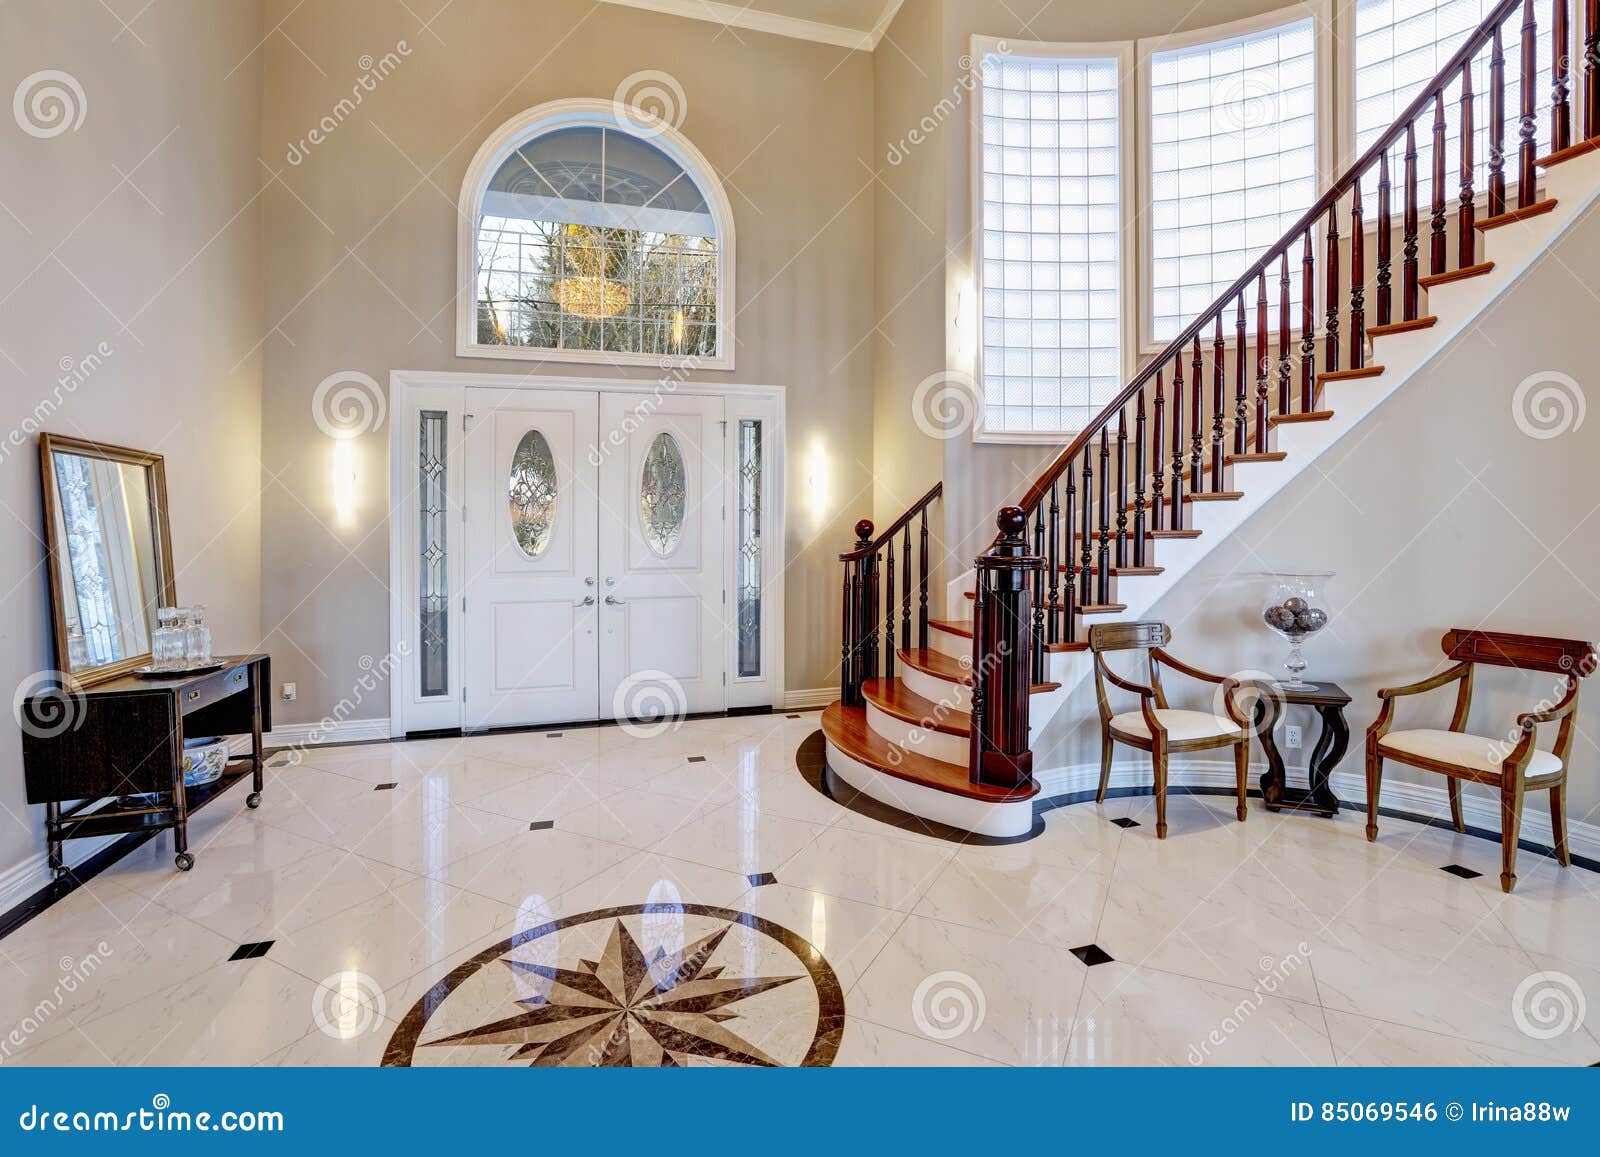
<point>1511,216</point>
<point>1402,326</point>
<point>893,697</point>
<point>942,666</point>
<point>1580,149</point>
<point>1308,416</point>
<point>846,728</point>
<point>1434,280</point>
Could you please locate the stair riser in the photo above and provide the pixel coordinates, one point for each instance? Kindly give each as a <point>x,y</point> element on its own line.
<point>987,819</point>
<point>911,736</point>
<point>956,646</point>
<point>937,689</point>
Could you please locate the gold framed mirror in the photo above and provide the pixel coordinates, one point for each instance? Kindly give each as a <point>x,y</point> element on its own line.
<point>110,554</point>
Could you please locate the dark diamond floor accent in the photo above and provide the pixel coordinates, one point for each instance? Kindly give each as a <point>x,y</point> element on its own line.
<point>762,879</point>
<point>697,759</point>
<point>1125,822</point>
<point>252,950</point>
<point>554,734</point>
<point>1092,954</point>
<point>386,787</point>
<point>791,717</point>
<point>541,825</point>
<point>1458,870</point>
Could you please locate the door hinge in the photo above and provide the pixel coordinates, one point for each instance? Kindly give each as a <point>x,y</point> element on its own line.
<point>466,420</point>
<point>463,604</point>
<point>463,692</point>
<point>724,596</point>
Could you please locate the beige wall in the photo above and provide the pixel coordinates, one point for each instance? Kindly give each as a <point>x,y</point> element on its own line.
<point>138,229</point>
<point>1438,511</point>
<point>360,271</point>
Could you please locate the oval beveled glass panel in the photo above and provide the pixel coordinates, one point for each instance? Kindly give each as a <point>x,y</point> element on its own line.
<point>531,489</point>
<point>663,495</point>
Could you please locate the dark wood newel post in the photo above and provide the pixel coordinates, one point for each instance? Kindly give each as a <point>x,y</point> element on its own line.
<point>1002,656</point>
<point>857,659</point>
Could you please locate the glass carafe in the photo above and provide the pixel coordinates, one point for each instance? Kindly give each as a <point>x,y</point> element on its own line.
<point>197,638</point>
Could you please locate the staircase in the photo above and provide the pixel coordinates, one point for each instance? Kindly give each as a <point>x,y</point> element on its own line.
<point>935,721</point>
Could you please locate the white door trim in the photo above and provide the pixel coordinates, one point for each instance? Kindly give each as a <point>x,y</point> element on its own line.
<point>413,390</point>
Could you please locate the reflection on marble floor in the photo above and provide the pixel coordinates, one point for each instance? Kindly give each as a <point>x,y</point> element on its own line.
<point>598,898</point>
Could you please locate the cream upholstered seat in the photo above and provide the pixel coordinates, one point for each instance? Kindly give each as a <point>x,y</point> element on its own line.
<point>1476,752</point>
<point>1180,725</point>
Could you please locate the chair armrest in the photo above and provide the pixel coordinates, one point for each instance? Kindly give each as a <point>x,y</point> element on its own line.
<point>1183,668</point>
<point>1430,684</point>
<point>1138,689</point>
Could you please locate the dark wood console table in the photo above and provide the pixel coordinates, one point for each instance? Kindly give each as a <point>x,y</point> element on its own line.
<point>1329,700</point>
<point>125,738</point>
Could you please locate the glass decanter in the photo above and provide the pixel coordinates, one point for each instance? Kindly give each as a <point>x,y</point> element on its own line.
<point>1296,607</point>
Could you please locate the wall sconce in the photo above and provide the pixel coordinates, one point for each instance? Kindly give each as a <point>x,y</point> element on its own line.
<point>966,334</point>
<point>344,481</point>
<point>819,483</point>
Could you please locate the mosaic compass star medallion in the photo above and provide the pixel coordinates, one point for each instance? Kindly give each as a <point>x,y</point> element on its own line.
<point>643,985</point>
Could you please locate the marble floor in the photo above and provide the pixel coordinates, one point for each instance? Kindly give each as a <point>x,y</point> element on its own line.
<point>599,897</point>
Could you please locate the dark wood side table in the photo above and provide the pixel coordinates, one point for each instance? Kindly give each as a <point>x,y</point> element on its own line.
<point>1329,700</point>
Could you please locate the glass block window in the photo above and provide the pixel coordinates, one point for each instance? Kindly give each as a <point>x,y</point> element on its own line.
<point>1233,164</point>
<point>433,587</point>
<point>748,577</point>
<point>591,238</point>
<point>1400,45</point>
<point>1051,270</point>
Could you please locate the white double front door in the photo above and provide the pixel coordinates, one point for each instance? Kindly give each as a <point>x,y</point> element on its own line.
<point>594,572</point>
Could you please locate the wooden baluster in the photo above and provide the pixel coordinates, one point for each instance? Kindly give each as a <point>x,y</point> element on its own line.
<point>1591,69</point>
<point>1467,235</point>
<point>1560,106</point>
<point>1330,327</point>
<point>1497,125</point>
<point>1408,228</point>
<point>1219,372</point>
<point>1069,618</point>
<point>1283,342</point>
<point>1436,241</point>
<point>1140,474</point>
<point>1003,665</point>
<point>905,585</point>
<point>981,649</point>
<point>1197,437</point>
<point>1122,488</point>
<point>889,617</point>
<point>1385,228</point>
<point>1086,559</point>
<point>1308,325</point>
<point>1358,282</point>
<point>1527,178</point>
<point>1241,407</point>
<point>1158,450</point>
<point>922,589</point>
<point>1261,363</point>
<point>1102,584</point>
<point>1036,626</point>
<point>1053,561</point>
<point>1179,444</point>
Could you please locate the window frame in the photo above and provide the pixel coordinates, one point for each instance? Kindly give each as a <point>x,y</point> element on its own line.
<point>614,117</point>
<point>1321,13</point>
<point>1123,52</point>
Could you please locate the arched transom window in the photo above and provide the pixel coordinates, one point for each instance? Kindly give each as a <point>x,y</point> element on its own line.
<point>590,233</point>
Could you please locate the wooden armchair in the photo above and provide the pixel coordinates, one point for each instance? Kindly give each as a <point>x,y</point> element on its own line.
<point>1511,763</point>
<point>1155,727</point>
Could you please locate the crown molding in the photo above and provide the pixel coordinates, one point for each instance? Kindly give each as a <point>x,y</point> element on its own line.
<point>753,20</point>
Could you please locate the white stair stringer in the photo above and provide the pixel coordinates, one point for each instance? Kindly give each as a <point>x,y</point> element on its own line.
<point>1513,248</point>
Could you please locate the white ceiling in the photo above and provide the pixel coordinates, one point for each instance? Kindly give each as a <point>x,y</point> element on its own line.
<point>848,23</point>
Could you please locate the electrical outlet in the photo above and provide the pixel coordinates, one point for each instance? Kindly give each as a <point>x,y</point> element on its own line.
<point>288,692</point>
<point>1291,735</point>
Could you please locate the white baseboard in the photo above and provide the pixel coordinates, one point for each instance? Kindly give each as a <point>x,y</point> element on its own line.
<point>318,734</point>
<point>27,876</point>
<point>804,697</point>
<point>1479,810</point>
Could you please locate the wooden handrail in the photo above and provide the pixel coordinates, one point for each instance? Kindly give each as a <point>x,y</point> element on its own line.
<point>897,526</point>
<point>1278,251</point>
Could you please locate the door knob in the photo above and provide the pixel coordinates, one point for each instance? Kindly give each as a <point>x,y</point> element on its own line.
<point>613,601</point>
<point>589,582</point>
<point>610,582</point>
<point>588,601</point>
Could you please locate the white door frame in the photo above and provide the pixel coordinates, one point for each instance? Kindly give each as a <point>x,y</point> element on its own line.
<point>412,391</point>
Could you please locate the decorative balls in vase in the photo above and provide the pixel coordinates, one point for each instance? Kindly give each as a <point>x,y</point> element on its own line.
<point>1296,607</point>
